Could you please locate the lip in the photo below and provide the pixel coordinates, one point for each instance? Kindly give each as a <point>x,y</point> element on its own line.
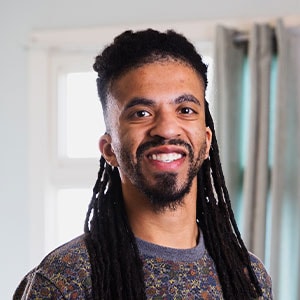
<point>162,166</point>
<point>166,149</point>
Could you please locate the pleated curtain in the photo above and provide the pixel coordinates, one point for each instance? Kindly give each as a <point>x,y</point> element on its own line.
<point>257,115</point>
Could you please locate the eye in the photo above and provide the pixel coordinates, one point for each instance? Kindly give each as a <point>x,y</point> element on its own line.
<point>141,114</point>
<point>186,111</point>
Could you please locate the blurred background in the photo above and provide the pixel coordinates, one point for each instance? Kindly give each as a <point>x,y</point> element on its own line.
<point>50,116</point>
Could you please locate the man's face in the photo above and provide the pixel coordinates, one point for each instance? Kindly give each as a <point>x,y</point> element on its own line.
<point>158,138</point>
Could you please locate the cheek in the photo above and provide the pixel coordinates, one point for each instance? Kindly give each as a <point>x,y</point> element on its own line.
<point>198,141</point>
<point>197,136</point>
<point>125,149</point>
<point>131,139</point>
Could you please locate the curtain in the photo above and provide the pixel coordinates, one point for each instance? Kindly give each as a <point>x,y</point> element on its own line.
<point>257,115</point>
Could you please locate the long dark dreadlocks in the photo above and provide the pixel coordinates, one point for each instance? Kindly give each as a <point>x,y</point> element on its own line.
<point>116,266</point>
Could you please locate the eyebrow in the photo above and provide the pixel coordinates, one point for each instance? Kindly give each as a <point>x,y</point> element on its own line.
<point>187,98</point>
<point>148,102</point>
<point>139,101</point>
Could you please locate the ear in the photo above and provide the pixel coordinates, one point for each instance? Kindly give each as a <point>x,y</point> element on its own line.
<point>208,134</point>
<point>107,150</point>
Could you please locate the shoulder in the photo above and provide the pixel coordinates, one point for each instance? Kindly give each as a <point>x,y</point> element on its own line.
<point>67,266</point>
<point>65,271</point>
<point>70,255</point>
<point>262,275</point>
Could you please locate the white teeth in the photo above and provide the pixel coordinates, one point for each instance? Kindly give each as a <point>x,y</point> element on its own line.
<point>166,157</point>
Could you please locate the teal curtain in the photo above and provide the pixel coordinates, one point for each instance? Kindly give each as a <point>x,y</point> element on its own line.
<point>257,114</point>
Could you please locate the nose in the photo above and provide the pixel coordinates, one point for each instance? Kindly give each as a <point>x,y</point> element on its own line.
<point>165,126</point>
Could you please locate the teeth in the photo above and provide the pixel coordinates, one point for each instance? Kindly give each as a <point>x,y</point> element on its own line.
<point>166,157</point>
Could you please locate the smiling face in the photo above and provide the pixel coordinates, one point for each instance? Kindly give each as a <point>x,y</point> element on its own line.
<point>157,133</point>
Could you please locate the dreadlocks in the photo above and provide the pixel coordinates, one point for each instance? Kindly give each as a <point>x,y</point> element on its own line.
<point>110,242</point>
<point>117,271</point>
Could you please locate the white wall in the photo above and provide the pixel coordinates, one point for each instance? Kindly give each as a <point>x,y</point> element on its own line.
<point>17,20</point>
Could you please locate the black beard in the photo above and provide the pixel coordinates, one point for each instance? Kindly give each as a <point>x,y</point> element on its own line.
<point>165,194</point>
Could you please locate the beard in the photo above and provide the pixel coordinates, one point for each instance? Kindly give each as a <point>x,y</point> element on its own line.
<point>167,192</point>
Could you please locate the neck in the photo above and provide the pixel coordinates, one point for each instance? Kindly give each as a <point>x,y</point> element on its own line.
<point>172,227</point>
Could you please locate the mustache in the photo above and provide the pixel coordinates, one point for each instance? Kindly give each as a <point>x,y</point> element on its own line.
<point>162,142</point>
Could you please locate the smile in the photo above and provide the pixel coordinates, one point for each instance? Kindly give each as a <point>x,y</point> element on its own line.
<point>165,157</point>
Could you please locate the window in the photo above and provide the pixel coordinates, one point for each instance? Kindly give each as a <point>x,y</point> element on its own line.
<point>81,117</point>
<point>75,125</point>
<point>71,207</point>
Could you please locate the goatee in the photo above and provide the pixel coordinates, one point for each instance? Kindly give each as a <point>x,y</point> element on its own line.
<point>166,193</point>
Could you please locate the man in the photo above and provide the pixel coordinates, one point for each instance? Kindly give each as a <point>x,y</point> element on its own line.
<point>160,224</point>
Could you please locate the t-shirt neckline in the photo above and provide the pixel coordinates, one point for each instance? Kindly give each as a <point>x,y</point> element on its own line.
<point>171,254</point>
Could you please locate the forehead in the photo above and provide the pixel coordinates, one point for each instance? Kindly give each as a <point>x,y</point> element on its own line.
<point>158,78</point>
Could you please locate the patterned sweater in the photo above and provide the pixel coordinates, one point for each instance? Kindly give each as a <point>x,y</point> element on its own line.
<point>169,274</point>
